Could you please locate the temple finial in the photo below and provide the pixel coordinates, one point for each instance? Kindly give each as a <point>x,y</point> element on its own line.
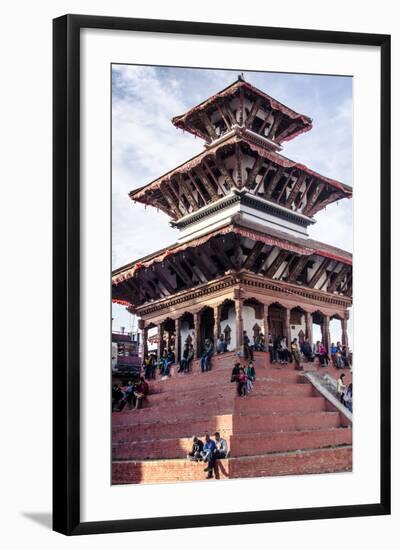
<point>241,77</point>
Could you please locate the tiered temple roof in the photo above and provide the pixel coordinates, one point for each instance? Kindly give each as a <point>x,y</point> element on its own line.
<point>240,162</point>
<point>241,208</point>
<point>242,104</point>
<point>239,249</point>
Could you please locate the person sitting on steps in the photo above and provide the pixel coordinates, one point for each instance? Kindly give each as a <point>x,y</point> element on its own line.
<point>220,451</point>
<point>222,346</point>
<point>209,448</point>
<point>197,448</point>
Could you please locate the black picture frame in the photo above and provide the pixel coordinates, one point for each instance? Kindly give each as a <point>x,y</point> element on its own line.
<point>66,272</point>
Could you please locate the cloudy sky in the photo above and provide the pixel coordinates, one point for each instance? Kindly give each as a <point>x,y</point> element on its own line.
<point>146,145</point>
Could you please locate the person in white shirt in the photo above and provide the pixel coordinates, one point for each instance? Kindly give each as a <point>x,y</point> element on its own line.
<point>220,451</point>
<point>341,387</point>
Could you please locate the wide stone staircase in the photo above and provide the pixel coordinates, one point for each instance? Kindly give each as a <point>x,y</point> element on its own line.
<point>282,427</point>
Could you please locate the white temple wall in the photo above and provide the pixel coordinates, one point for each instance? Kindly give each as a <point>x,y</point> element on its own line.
<point>249,320</point>
<point>295,329</point>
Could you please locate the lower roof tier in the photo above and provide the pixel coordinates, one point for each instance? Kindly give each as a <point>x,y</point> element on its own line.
<point>240,161</point>
<point>234,249</point>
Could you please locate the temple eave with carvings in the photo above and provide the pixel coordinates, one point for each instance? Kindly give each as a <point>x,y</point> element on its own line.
<point>240,160</point>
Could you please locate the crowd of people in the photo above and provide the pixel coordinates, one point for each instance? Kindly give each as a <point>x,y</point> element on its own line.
<point>208,451</point>
<point>281,353</point>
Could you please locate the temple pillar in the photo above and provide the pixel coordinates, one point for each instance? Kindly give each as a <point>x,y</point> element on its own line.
<point>178,346</point>
<point>326,335</point>
<point>266,326</point>
<point>196,335</point>
<point>239,324</point>
<point>160,344</point>
<point>143,351</point>
<point>217,324</point>
<point>309,330</point>
<point>287,326</point>
<point>345,336</point>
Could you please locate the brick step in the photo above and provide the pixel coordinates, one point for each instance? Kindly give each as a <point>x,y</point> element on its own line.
<point>251,404</point>
<point>239,445</point>
<point>177,427</point>
<point>261,387</point>
<point>219,377</point>
<point>317,461</point>
<point>262,443</point>
<point>254,404</point>
<point>240,424</point>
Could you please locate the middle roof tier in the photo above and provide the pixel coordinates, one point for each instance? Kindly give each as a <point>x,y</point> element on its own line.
<point>241,162</point>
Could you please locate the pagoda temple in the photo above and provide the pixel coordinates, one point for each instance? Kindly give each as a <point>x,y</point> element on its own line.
<point>242,259</point>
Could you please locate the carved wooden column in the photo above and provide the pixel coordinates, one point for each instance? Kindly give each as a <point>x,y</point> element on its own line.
<point>288,332</point>
<point>160,344</point>
<point>178,345</point>
<point>144,337</point>
<point>239,324</point>
<point>196,335</point>
<point>217,323</point>
<point>309,330</point>
<point>266,326</point>
<point>345,336</point>
<point>326,335</point>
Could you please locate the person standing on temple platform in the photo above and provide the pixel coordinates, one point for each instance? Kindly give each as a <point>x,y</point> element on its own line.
<point>333,351</point>
<point>341,387</point>
<point>147,366</point>
<point>153,367</point>
<point>250,372</point>
<point>197,448</point>
<point>248,350</point>
<point>209,448</point>
<point>338,357</point>
<point>205,359</point>
<point>183,361</point>
<point>222,346</point>
<point>306,350</point>
<point>273,349</point>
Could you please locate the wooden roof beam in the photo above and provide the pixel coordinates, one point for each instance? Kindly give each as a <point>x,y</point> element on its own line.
<point>274,182</point>
<point>276,264</point>
<point>295,189</point>
<point>252,257</point>
<point>254,171</point>
<point>317,275</point>
<point>252,115</point>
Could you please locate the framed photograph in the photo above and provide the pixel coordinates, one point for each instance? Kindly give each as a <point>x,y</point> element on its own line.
<point>221,274</point>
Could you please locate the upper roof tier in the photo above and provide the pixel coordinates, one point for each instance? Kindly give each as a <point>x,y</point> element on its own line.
<point>241,161</point>
<point>241,104</point>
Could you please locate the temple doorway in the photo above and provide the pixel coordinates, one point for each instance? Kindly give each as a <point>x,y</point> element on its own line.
<point>276,314</point>
<point>206,326</point>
